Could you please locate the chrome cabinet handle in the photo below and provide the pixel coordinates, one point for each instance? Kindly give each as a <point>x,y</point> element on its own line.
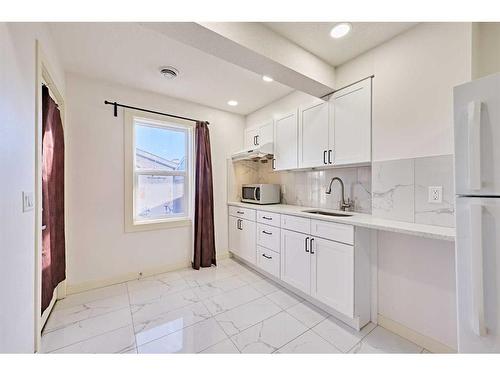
<point>307,239</point>
<point>267,257</point>
<point>329,156</point>
<point>311,245</point>
<point>274,163</point>
<point>324,157</point>
<point>257,140</point>
<point>267,218</point>
<point>240,212</point>
<point>268,233</point>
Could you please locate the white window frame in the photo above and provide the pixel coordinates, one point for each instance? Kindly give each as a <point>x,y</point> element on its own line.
<point>132,175</point>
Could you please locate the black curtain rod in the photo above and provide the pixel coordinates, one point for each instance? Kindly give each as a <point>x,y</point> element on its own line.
<point>116,105</point>
<point>350,84</point>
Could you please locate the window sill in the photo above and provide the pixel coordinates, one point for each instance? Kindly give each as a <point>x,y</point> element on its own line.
<point>137,227</point>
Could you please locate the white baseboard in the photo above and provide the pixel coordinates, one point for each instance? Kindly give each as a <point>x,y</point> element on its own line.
<point>94,284</point>
<point>424,341</point>
<point>88,285</point>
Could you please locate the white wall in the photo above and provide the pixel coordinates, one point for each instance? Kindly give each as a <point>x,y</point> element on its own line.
<point>412,89</point>
<point>416,284</point>
<point>486,48</point>
<point>98,248</point>
<point>17,166</point>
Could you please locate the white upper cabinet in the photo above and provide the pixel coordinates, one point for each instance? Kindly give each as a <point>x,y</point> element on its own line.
<point>285,141</point>
<point>352,116</point>
<point>259,135</point>
<point>266,133</point>
<point>251,136</point>
<point>314,135</point>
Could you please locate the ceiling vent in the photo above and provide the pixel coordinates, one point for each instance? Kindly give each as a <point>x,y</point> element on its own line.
<point>169,72</point>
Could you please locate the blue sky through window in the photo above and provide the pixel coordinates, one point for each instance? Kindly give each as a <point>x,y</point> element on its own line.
<point>166,143</point>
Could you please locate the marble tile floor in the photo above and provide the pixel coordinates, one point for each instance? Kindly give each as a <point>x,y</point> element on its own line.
<point>224,309</point>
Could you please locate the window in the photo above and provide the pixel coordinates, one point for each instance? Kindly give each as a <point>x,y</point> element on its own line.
<point>158,165</point>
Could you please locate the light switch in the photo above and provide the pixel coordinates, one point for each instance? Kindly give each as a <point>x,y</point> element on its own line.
<point>28,201</point>
<point>435,194</point>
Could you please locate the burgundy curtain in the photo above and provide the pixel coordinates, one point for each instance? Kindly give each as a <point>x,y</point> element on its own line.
<point>53,241</point>
<point>204,238</point>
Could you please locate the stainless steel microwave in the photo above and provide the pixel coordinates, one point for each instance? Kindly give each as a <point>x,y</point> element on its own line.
<point>260,193</point>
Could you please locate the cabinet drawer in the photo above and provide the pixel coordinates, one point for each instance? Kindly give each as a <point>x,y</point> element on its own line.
<point>296,223</point>
<point>268,218</point>
<point>333,231</point>
<point>268,237</point>
<point>268,261</point>
<point>245,213</point>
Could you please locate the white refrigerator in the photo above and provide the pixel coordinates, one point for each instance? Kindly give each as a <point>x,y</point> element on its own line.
<point>477,187</point>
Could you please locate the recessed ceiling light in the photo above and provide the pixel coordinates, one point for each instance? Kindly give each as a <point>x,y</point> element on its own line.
<point>267,79</point>
<point>232,103</point>
<point>340,30</point>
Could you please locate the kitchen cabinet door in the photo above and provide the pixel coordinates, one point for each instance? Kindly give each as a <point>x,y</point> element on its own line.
<point>266,133</point>
<point>234,236</point>
<point>285,141</point>
<point>352,117</point>
<point>314,135</point>
<point>242,238</point>
<point>251,136</point>
<point>332,274</point>
<point>296,260</point>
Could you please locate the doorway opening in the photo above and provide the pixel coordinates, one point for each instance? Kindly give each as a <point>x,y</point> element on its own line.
<point>50,244</point>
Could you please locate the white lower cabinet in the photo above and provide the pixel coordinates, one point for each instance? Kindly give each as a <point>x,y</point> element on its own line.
<point>332,274</point>
<point>296,260</point>
<point>242,238</point>
<point>327,262</point>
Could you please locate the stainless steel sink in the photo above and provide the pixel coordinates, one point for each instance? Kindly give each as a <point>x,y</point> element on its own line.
<point>327,213</point>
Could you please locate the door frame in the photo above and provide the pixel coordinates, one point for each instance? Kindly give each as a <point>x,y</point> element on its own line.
<point>43,76</point>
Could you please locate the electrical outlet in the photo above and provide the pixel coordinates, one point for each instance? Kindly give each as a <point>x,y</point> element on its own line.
<point>28,201</point>
<point>435,194</point>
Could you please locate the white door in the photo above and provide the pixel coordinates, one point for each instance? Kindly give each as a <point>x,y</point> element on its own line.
<point>332,274</point>
<point>296,260</point>
<point>251,137</point>
<point>313,135</point>
<point>352,117</point>
<point>248,248</point>
<point>285,142</point>
<point>266,133</point>
<point>478,280</point>
<point>234,236</point>
<point>477,131</point>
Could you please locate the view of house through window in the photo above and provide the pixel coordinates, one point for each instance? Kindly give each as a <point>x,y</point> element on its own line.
<point>161,171</point>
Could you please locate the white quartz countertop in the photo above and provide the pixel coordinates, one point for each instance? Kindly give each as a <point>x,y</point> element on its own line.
<point>359,219</point>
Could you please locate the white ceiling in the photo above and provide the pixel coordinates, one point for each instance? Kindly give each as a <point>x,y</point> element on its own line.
<point>130,54</point>
<point>315,37</point>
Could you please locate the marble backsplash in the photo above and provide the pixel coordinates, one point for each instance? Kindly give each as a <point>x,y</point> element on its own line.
<point>400,190</point>
<point>305,187</point>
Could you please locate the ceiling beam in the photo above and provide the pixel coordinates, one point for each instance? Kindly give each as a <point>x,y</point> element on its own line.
<point>257,48</point>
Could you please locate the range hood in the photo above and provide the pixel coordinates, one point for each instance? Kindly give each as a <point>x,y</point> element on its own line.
<point>264,151</point>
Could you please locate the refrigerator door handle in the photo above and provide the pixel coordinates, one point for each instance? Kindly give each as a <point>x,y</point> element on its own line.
<point>474,144</point>
<point>478,323</point>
